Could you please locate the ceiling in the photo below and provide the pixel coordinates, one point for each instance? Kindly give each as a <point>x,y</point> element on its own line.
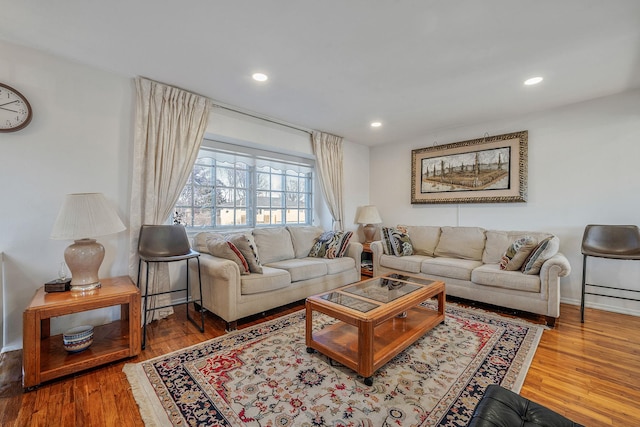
<point>336,65</point>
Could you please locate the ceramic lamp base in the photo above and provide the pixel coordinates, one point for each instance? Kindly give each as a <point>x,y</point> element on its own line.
<point>84,258</point>
<point>369,231</point>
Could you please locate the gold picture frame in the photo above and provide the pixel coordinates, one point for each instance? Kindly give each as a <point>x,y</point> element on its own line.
<point>491,169</point>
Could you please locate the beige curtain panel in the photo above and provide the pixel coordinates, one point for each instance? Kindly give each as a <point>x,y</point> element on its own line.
<point>327,149</point>
<point>170,124</point>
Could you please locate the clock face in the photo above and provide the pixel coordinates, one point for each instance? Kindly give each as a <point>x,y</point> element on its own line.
<point>15,111</point>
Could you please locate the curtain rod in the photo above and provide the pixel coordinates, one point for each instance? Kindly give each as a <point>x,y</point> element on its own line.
<point>262,118</point>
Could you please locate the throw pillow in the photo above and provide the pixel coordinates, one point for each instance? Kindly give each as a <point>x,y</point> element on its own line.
<point>517,253</point>
<point>400,242</point>
<point>331,244</point>
<point>224,249</point>
<point>545,250</point>
<point>386,240</point>
<point>245,244</point>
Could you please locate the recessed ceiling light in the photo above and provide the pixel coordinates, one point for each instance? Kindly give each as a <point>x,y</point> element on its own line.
<point>260,77</point>
<point>376,124</point>
<point>533,81</point>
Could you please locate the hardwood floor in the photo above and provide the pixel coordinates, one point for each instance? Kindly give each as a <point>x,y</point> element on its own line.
<point>588,372</point>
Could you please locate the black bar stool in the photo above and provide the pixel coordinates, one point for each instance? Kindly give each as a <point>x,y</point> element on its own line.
<point>167,243</point>
<point>608,241</point>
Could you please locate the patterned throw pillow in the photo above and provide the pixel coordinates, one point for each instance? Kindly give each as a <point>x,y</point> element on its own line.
<point>396,242</point>
<point>247,246</point>
<point>545,250</point>
<point>517,253</point>
<point>224,249</point>
<point>386,240</point>
<point>331,244</point>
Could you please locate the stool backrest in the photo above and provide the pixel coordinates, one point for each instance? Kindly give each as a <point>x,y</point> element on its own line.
<point>613,240</point>
<point>163,241</point>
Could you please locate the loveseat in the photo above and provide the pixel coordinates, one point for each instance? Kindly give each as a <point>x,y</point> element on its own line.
<point>469,259</point>
<point>279,269</point>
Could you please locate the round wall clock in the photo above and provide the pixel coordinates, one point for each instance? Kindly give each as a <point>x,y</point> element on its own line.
<point>15,111</point>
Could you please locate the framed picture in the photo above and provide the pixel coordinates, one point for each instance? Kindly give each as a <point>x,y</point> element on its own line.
<point>492,169</point>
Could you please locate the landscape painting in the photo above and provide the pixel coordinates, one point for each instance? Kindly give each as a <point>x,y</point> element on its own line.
<point>491,169</point>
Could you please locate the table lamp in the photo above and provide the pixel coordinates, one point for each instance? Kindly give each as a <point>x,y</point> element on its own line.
<point>369,215</point>
<point>83,217</point>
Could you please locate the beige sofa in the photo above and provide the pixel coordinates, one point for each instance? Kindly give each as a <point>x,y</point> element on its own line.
<point>467,259</point>
<point>288,274</point>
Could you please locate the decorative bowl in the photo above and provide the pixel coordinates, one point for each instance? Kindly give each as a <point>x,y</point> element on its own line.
<point>77,339</point>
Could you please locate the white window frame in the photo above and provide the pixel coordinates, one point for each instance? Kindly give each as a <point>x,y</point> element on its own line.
<point>283,167</point>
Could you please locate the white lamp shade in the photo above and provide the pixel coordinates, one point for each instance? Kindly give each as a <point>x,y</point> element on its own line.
<point>369,215</point>
<point>86,215</point>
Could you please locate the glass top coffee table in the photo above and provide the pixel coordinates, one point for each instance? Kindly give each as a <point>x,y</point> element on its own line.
<point>377,319</point>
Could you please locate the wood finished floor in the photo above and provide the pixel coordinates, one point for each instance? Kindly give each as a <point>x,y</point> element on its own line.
<point>588,372</point>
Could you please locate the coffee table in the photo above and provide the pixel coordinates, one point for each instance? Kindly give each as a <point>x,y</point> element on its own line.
<point>377,319</point>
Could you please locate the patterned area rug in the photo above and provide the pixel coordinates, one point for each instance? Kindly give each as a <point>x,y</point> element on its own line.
<point>263,376</point>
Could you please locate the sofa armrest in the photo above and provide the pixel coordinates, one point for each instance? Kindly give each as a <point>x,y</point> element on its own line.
<point>376,253</point>
<point>550,273</point>
<point>558,265</point>
<point>354,250</point>
<point>220,285</point>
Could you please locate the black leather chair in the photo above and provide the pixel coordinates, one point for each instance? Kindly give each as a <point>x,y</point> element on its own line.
<point>500,407</point>
<point>167,243</point>
<point>608,241</point>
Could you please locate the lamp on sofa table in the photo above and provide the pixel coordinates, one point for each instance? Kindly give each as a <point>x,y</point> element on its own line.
<point>83,217</point>
<point>369,216</point>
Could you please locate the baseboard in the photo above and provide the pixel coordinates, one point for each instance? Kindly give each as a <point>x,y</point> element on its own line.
<point>8,348</point>
<point>603,307</point>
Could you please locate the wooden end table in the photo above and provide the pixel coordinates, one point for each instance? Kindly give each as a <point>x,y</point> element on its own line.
<point>378,318</point>
<point>44,357</point>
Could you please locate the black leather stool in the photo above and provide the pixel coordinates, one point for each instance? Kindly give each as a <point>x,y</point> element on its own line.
<point>500,407</point>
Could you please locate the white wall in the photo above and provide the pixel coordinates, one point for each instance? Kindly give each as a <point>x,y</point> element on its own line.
<point>80,140</point>
<point>583,169</point>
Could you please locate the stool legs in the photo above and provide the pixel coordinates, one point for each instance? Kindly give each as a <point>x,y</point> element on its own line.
<point>584,285</point>
<point>188,298</point>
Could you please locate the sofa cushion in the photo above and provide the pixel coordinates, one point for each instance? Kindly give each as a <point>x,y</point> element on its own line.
<point>274,244</point>
<point>303,239</point>
<point>461,242</point>
<point>498,241</point>
<point>270,280</point>
<point>453,268</point>
<point>247,246</point>
<point>338,265</point>
<point>424,238</point>
<point>410,263</point>
<point>222,248</point>
<point>545,250</point>
<point>301,269</point>
<point>491,275</point>
<point>517,253</point>
<point>397,242</point>
<point>331,244</point>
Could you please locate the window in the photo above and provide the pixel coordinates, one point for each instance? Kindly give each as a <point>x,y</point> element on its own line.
<point>234,186</point>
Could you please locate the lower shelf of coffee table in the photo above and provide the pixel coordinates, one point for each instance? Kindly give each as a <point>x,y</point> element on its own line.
<point>340,340</point>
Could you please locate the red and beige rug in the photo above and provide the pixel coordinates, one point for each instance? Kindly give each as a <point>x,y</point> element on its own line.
<point>263,376</point>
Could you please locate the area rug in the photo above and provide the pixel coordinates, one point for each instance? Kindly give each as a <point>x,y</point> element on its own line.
<point>263,376</point>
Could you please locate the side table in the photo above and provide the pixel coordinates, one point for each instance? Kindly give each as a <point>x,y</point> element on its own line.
<point>366,264</point>
<point>44,357</point>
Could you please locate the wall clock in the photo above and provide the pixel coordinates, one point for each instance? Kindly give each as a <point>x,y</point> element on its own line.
<point>15,111</point>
